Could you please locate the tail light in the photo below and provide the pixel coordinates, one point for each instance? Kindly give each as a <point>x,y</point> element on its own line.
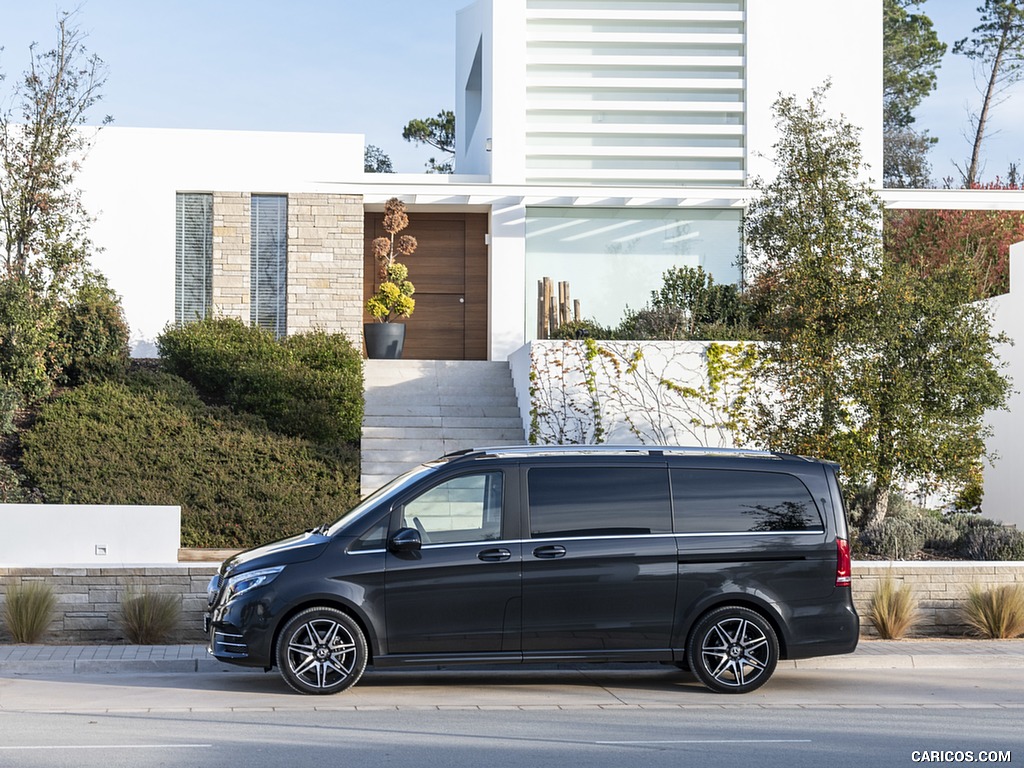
<point>842,563</point>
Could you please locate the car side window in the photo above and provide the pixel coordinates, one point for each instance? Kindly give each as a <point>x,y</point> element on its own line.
<point>727,501</point>
<point>598,501</point>
<point>375,538</point>
<point>466,508</point>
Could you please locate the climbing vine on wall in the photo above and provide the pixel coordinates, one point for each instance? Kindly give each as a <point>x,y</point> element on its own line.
<point>589,392</point>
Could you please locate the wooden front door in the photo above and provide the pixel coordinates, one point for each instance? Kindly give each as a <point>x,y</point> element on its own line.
<point>449,270</point>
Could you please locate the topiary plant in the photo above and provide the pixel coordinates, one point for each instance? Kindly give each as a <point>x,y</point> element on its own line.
<point>394,296</point>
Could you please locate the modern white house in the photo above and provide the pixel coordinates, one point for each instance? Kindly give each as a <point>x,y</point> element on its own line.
<point>599,142</point>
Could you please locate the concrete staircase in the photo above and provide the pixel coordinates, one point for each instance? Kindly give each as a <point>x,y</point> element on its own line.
<point>417,410</point>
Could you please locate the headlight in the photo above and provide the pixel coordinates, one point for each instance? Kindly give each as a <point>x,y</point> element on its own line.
<point>243,582</point>
<point>212,589</point>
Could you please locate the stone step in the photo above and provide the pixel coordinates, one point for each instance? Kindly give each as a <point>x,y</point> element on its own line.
<point>400,410</point>
<point>449,422</point>
<point>418,410</point>
<point>483,432</point>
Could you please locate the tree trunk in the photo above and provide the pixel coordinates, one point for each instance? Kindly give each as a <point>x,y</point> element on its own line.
<point>880,507</point>
<point>971,177</point>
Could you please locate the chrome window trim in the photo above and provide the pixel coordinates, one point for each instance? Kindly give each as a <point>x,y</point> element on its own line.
<point>508,542</point>
<point>820,532</point>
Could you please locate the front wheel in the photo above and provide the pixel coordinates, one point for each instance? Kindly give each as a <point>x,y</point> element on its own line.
<point>321,651</point>
<point>733,650</point>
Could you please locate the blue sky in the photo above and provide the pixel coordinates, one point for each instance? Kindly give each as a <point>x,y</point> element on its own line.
<point>353,66</point>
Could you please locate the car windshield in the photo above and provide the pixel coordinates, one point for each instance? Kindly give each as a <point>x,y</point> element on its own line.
<point>374,500</point>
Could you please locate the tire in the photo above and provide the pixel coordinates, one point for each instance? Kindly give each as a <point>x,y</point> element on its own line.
<point>321,651</point>
<point>733,650</point>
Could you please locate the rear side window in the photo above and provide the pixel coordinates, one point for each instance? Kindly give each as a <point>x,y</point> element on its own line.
<point>598,501</point>
<point>726,501</point>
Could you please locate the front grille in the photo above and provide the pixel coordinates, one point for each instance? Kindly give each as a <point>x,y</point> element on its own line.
<point>228,644</point>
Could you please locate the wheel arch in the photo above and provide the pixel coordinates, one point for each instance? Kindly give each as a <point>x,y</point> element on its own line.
<point>328,601</point>
<point>767,609</point>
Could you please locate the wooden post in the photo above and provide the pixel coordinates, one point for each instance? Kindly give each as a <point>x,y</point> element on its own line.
<point>540,310</point>
<point>547,308</point>
<point>576,310</point>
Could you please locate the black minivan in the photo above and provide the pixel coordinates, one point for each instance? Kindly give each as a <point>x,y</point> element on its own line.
<point>719,561</point>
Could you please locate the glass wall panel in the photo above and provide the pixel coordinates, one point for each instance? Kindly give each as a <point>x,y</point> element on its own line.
<point>613,258</point>
<point>193,263</point>
<point>269,263</point>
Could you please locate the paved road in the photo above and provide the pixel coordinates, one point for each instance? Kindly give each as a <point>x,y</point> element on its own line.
<point>593,716</point>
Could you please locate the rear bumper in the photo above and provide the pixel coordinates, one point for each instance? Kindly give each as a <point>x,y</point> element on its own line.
<point>830,634</point>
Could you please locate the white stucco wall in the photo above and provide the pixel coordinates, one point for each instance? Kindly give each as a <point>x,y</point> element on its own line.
<point>473,27</point>
<point>793,46</point>
<point>130,177</point>
<point>1003,480</point>
<point>87,534</point>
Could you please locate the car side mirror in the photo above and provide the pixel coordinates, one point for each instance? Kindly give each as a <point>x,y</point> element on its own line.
<point>405,540</point>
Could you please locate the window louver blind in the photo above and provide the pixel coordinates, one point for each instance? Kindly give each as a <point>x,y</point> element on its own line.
<point>193,265</point>
<point>269,263</point>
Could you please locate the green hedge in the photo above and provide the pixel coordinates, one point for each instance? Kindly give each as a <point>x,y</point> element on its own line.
<point>151,440</point>
<point>309,385</point>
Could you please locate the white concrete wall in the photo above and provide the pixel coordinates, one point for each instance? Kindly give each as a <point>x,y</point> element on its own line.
<point>87,534</point>
<point>1003,480</point>
<point>507,78</point>
<point>129,180</point>
<point>793,46</point>
<point>506,303</point>
<point>473,26</point>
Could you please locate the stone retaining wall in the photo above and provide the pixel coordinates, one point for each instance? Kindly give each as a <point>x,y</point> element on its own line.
<point>88,599</point>
<point>939,587</point>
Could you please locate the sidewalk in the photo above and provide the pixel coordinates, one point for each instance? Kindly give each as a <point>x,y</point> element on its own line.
<point>31,660</point>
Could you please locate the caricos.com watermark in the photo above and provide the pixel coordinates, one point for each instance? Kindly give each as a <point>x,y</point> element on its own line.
<point>961,756</point>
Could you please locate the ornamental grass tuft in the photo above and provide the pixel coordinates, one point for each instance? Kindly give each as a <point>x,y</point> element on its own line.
<point>28,610</point>
<point>996,613</point>
<point>149,618</point>
<point>893,610</point>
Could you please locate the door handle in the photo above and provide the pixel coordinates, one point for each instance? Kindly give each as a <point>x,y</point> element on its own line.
<point>494,555</point>
<point>549,552</point>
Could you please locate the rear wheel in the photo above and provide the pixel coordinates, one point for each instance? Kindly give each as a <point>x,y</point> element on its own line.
<point>321,651</point>
<point>733,650</point>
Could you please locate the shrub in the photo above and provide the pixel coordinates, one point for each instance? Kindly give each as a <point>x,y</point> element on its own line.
<point>892,609</point>
<point>996,613</point>
<point>149,618</point>
<point>10,400</point>
<point>992,542</point>
<point>11,490</point>
<point>583,329</point>
<point>309,385</point>
<point>151,440</point>
<point>895,538</point>
<point>939,535</point>
<point>28,610</point>
<point>93,335</point>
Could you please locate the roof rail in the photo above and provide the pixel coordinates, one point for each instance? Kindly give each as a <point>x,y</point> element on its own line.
<point>647,450</point>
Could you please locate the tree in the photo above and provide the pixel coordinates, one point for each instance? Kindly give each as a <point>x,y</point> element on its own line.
<point>912,53</point>
<point>926,381</point>
<point>873,364</point>
<point>437,132</point>
<point>43,225</point>
<point>41,146</point>
<point>930,239</point>
<point>375,160</point>
<point>997,49</point>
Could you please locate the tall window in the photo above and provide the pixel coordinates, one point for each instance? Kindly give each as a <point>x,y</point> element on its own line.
<point>269,263</point>
<point>193,263</point>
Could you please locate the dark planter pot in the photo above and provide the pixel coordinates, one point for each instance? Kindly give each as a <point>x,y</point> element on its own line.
<point>384,341</point>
